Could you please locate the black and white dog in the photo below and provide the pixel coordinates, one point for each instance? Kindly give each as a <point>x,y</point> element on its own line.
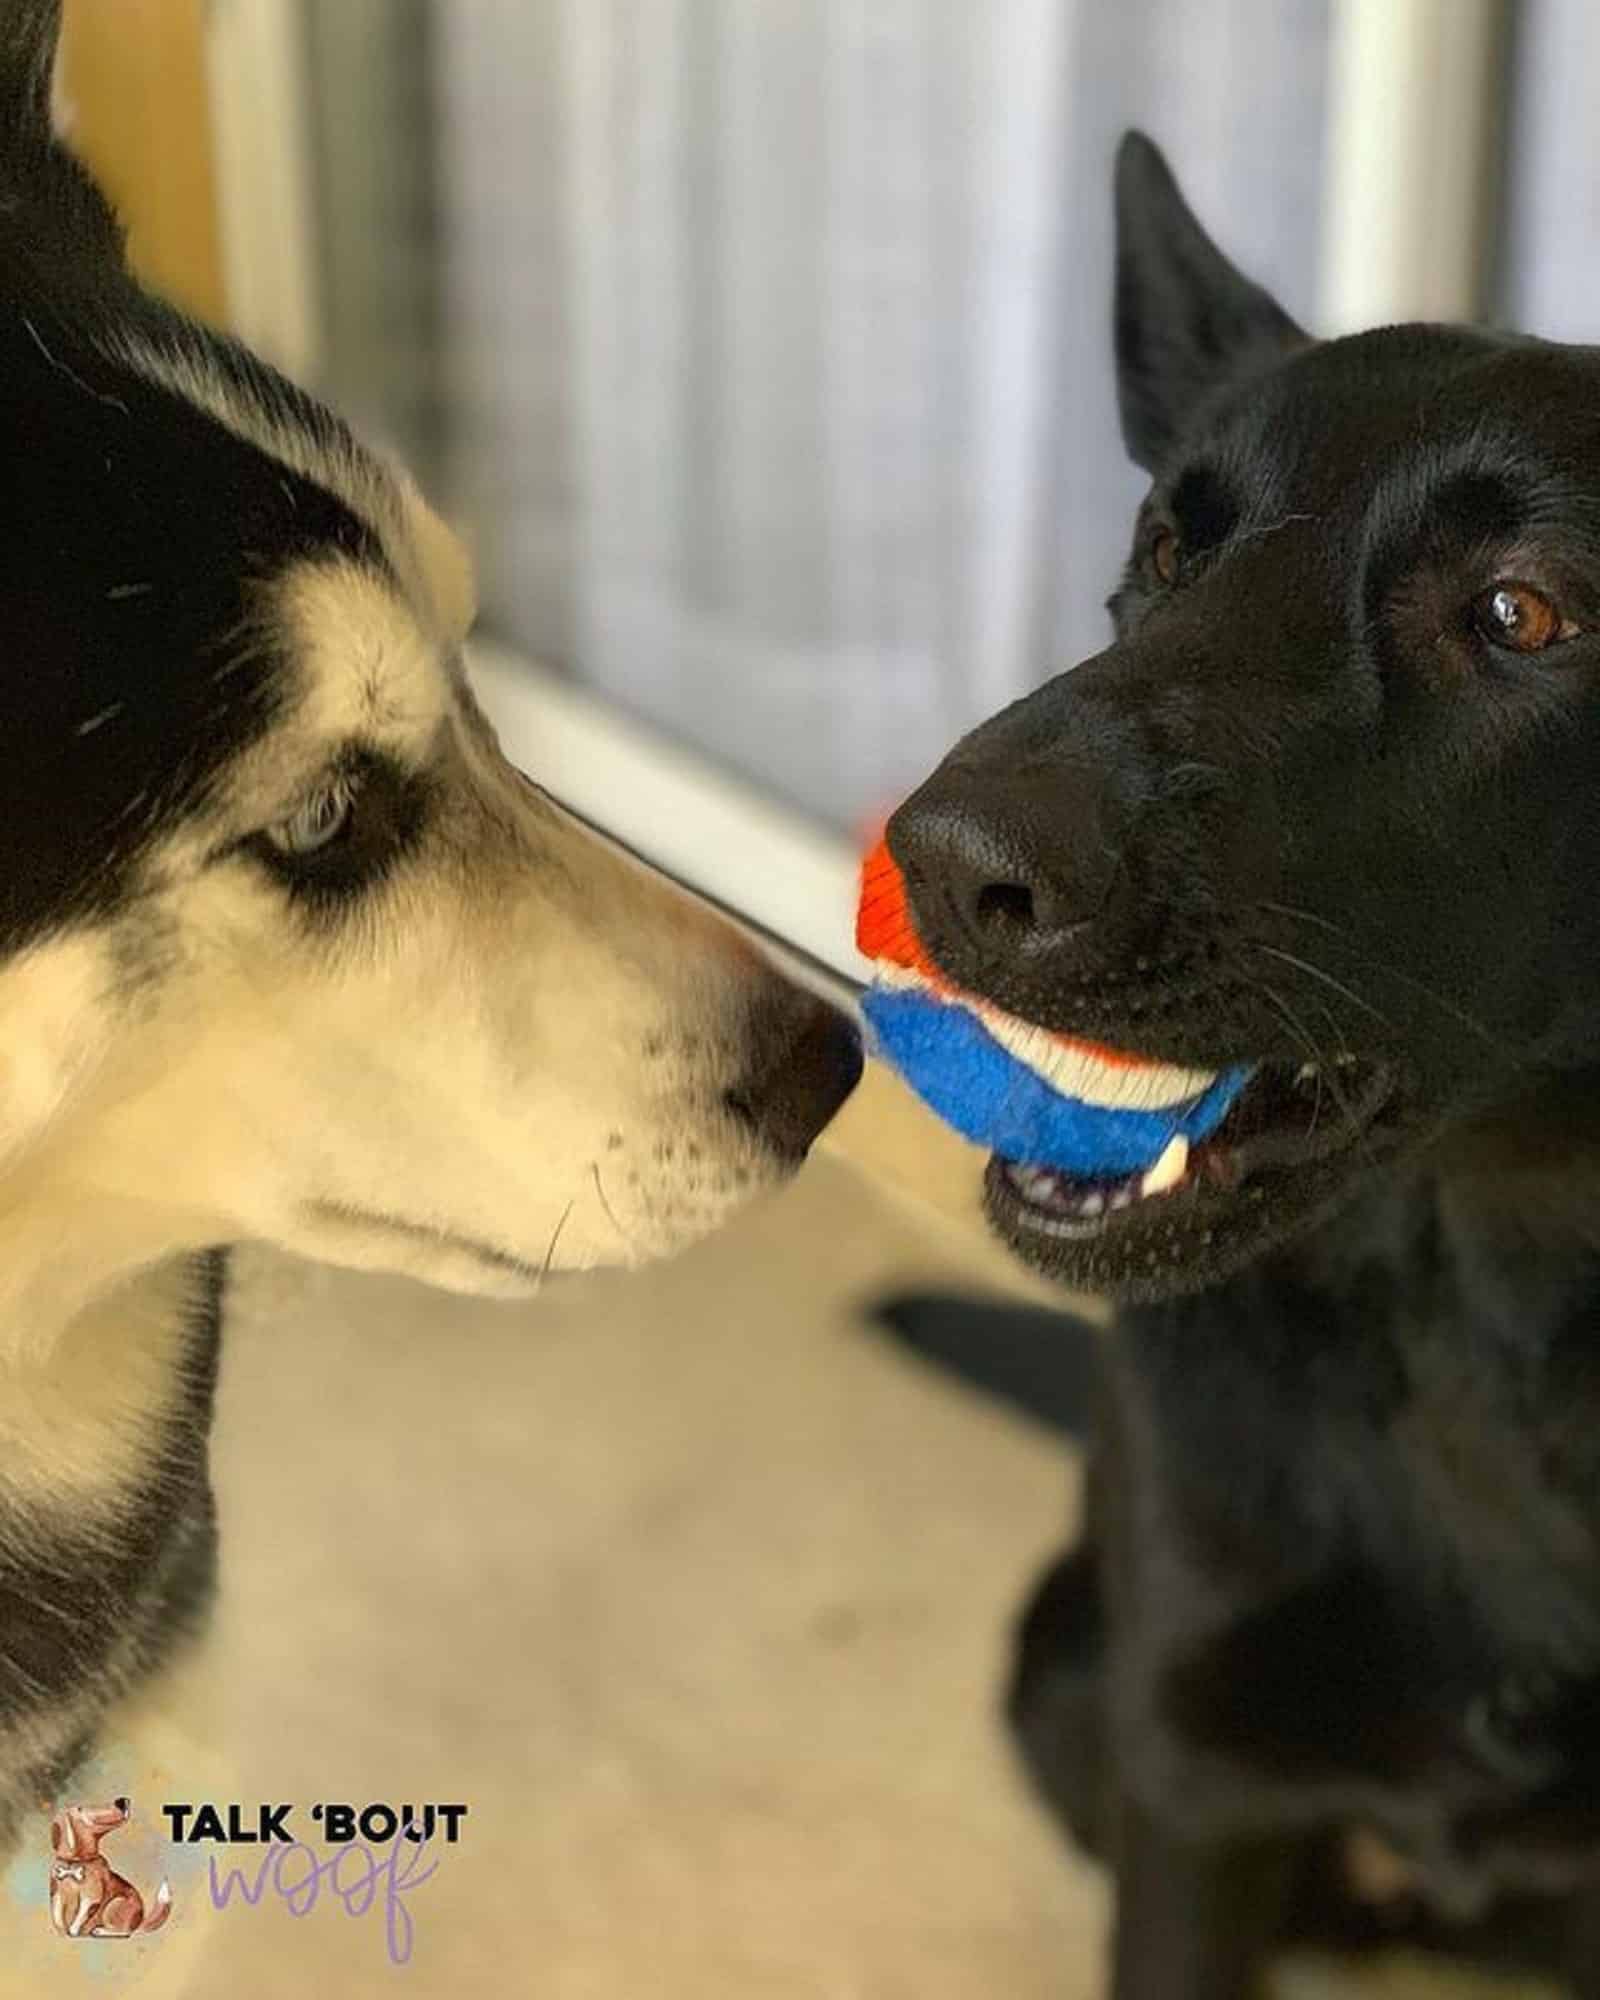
<point>1326,1664</point>
<point>288,950</point>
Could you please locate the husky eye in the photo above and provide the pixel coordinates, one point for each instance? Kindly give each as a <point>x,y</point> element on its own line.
<point>1519,618</point>
<point>318,823</point>
<point>345,837</point>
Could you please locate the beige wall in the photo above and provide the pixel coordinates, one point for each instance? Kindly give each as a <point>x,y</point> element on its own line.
<point>135,82</point>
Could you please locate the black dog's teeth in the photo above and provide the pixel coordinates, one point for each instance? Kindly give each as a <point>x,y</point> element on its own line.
<point>1287,1116</point>
<point>1061,1194</point>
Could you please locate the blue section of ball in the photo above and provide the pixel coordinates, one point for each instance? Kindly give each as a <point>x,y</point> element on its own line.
<point>957,1067</point>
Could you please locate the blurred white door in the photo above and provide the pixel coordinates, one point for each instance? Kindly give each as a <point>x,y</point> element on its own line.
<point>776,339</point>
<point>763,345</point>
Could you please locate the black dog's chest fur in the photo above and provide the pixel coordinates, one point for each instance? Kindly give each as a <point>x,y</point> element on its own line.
<point>1350,1510</point>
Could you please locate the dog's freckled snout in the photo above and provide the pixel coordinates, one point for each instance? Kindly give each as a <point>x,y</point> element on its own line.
<point>797,1078</point>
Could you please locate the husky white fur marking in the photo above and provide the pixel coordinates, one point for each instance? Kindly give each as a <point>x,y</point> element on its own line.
<point>51,1030</point>
<point>288,950</point>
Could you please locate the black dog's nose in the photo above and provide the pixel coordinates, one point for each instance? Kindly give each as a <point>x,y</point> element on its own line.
<point>800,1073</point>
<point>122,1805</point>
<point>996,865</point>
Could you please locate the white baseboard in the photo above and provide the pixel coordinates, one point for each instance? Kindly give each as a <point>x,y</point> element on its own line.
<point>694,820</point>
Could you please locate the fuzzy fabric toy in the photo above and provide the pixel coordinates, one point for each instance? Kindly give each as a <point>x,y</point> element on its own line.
<point>1030,1095</point>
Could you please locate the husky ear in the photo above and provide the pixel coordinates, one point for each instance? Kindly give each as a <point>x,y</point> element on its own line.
<point>40,178</point>
<point>1186,320</point>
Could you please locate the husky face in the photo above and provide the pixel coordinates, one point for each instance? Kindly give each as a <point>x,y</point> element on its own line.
<point>288,949</point>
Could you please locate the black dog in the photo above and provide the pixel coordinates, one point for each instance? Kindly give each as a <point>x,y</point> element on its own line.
<point>1328,805</point>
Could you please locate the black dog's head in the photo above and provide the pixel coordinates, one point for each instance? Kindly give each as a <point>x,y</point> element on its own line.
<point>1328,803</point>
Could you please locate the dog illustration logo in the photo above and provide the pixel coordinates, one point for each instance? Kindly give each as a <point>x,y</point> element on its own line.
<point>88,1899</point>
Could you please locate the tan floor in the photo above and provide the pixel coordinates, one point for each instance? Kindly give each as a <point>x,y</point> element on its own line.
<point>692,1590</point>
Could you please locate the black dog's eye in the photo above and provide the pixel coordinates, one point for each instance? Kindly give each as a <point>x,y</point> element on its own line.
<point>1519,618</point>
<point>317,823</point>
<point>1165,555</point>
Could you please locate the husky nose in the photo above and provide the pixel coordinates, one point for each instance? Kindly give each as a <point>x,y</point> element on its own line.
<point>797,1080</point>
<point>122,1805</point>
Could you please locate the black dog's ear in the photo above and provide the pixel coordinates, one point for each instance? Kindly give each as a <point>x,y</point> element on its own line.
<point>1186,320</point>
<point>42,184</point>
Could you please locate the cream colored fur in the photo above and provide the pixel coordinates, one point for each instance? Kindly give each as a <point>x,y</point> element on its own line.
<point>508,1062</point>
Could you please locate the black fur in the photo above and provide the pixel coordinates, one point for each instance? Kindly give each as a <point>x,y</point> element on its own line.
<point>134,533</point>
<point>1342,1561</point>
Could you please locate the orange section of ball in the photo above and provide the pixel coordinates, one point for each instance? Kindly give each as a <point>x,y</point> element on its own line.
<point>884,929</point>
<point>886,934</point>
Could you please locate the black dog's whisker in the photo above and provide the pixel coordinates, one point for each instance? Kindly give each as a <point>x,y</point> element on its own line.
<point>1347,1109</point>
<point>1316,972</point>
<point>1326,1070</point>
<point>1345,1105</point>
<point>1387,970</point>
<point>1305,916</point>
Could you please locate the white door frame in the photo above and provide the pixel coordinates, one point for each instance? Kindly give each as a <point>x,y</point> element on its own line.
<point>261,145</point>
<point>1411,122</point>
<point>1414,111</point>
